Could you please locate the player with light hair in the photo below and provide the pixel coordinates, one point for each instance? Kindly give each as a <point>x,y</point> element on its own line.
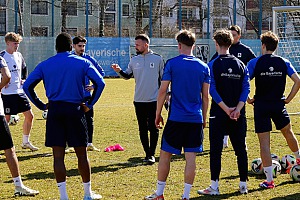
<point>14,98</point>
<point>270,71</point>
<point>229,90</point>
<point>189,79</point>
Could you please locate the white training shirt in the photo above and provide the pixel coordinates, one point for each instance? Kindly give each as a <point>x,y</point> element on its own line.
<point>15,63</point>
<point>2,64</point>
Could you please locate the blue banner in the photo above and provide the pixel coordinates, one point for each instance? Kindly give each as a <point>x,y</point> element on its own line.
<point>108,51</point>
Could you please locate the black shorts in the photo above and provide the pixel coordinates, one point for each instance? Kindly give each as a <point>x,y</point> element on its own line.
<point>6,141</point>
<point>178,135</point>
<point>66,124</point>
<point>264,112</point>
<point>15,103</point>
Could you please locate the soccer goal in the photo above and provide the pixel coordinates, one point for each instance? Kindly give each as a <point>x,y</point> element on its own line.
<point>286,24</point>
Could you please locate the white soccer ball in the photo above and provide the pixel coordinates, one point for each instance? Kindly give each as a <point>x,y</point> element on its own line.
<point>14,119</point>
<point>288,161</point>
<point>276,168</point>
<point>45,113</point>
<point>257,166</point>
<point>295,173</point>
<point>275,157</point>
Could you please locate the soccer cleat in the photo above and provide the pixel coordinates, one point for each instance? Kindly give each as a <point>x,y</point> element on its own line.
<point>209,191</point>
<point>243,190</point>
<point>28,145</point>
<point>154,197</point>
<point>25,191</point>
<point>69,150</point>
<point>92,148</point>
<point>151,160</point>
<point>267,185</point>
<point>93,196</point>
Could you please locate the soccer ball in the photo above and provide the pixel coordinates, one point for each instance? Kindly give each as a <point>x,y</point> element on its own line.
<point>45,113</point>
<point>287,161</point>
<point>295,173</point>
<point>276,168</point>
<point>14,119</point>
<point>275,157</point>
<point>257,166</point>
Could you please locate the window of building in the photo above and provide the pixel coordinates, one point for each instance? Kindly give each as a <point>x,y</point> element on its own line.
<point>111,5</point>
<point>125,9</point>
<point>2,22</point>
<point>90,9</point>
<point>39,31</point>
<point>146,11</point>
<point>70,8</point>
<point>3,3</point>
<point>110,19</point>
<point>39,7</point>
<point>72,31</point>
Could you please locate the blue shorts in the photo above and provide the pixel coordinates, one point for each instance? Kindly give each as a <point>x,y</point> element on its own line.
<point>15,103</point>
<point>6,141</point>
<point>66,124</point>
<point>264,112</point>
<point>178,135</point>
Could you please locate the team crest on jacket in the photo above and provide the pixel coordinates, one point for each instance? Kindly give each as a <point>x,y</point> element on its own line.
<point>229,70</point>
<point>239,55</point>
<point>151,65</point>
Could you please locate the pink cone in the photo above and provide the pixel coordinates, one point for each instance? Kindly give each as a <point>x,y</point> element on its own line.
<point>118,147</point>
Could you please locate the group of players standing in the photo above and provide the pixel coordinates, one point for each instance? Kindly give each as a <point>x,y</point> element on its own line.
<point>227,78</point>
<point>185,78</point>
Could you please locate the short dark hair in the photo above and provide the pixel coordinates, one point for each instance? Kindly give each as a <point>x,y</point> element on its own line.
<point>143,37</point>
<point>78,39</point>
<point>223,38</point>
<point>186,37</point>
<point>235,28</point>
<point>269,39</point>
<point>63,42</point>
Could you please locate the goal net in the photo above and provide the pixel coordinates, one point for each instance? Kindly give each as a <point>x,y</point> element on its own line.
<point>286,24</point>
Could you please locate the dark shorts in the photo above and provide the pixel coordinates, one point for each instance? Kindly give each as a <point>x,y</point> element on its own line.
<point>15,103</point>
<point>66,124</point>
<point>178,135</point>
<point>6,141</point>
<point>264,112</point>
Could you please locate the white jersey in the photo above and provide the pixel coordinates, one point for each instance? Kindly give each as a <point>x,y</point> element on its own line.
<point>15,63</point>
<point>2,64</point>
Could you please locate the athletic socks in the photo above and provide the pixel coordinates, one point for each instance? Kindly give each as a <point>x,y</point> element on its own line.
<point>87,188</point>
<point>225,140</point>
<point>62,190</point>
<point>25,138</point>
<point>268,173</point>
<point>186,191</point>
<point>160,187</point>
<point>243,184</point>
<point>18,181</point>
<point>214,184</point>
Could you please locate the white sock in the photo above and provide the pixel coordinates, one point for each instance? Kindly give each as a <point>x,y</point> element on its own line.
<point>297,154</point>
<point>89,144</point>
<point>214,184</point>
<point>87,189</point>
<point>25,138</point>
<point>243,184</point>
<point>268,173</point>
<point>160,187</point>
<point>62,190</point>
<point>18,181</point>
<point>187,190</point>
<point>225,140</point>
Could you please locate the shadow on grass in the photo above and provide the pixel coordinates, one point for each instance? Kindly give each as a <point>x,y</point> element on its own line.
<point>290,196</point>
<point>22,158</point>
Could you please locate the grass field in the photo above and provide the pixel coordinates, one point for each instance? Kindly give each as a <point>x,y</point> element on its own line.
<point>121,175</point>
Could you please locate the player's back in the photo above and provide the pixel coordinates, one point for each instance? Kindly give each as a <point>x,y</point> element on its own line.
<point>64,77</point>
<point>187,75</point>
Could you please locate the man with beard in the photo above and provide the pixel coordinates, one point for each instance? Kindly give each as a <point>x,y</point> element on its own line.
<point>147,68</point>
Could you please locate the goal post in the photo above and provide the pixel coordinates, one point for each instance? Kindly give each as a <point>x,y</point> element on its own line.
<point>286,24</point>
